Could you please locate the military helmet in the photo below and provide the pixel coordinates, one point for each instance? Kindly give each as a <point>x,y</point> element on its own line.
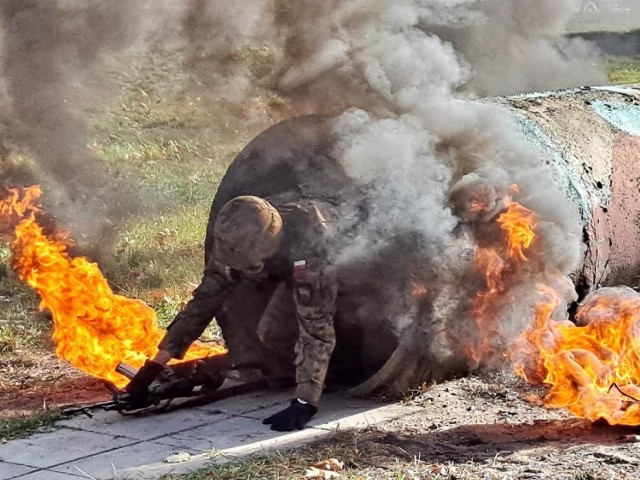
<point>246,232</point>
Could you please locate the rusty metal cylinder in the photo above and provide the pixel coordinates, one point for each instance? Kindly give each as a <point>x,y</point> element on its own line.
<point>589,138</point>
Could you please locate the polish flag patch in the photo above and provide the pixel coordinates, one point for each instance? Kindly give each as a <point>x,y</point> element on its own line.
<point>300,270</point>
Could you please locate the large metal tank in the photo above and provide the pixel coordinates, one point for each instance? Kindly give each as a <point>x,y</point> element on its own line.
<point>589,138</point>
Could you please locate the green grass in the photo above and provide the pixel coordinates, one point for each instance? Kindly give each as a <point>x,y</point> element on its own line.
<point>366,461</point>
<point>160,115</point>
<point>21,336</point>
<point>20,427</point>
<point>20,331</point>
<point>160,258</point>
<point>281,465</point>
<point>623,70</point>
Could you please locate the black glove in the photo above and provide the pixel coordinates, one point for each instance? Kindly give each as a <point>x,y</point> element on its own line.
<point>138,388</point>
<point>292,418</point>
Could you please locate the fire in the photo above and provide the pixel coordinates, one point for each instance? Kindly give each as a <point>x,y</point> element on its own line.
<point>94,329</point>
<point>519,223</point>
<point>496,265</point>
<point>592,370</point>
<point>417,289</point>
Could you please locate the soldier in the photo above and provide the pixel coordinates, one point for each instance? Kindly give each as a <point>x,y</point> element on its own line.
<point>280,244</point>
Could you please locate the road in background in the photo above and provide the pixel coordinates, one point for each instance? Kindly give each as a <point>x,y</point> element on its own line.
<point>606,21</point>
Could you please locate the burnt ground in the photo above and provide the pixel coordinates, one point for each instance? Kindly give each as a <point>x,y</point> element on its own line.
<point>32,385</point>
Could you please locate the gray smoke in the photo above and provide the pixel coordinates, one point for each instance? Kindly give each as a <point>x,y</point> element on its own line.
<point>401,70</point>
<point>47,52</point>
<point>424,153</point>
<point>515,46</point>
<point>507,47</point>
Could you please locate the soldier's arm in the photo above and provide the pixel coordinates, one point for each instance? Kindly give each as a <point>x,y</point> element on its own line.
<point>214,289</point>
<point>315,294</point>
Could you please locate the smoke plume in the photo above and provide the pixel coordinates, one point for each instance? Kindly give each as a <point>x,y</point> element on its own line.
<point>47,51</point>
<point>516,46</point>
<point>402,72</point>
<point>425,154</point>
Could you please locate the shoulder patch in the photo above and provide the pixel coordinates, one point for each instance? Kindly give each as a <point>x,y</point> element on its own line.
<point>300,270</point>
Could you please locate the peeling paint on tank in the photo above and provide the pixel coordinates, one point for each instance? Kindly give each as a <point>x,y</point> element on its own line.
<point>563,176</point>
<point>622,116</point>
<point>589,140</point>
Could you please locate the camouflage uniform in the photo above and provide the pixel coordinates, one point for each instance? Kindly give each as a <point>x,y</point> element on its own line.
<point>299,316</point>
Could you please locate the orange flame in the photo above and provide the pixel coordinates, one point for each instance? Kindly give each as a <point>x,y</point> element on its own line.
<point>94,329</point>
<point>519,223</point>
<point>593,371</point>
<point>417,289</point>
<point>495,264</point>
<point>492,265</point>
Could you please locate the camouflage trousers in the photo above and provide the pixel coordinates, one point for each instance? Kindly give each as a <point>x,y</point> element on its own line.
<point>278,326</point>
<point>260,328</point>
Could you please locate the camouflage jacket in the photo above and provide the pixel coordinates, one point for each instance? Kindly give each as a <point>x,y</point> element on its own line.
<point>302,262</point>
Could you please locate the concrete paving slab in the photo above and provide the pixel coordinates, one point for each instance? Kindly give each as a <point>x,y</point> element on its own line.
<point>11,470</point>
<point>51,475</point>
<point>252,439</point>
<point>280,441</point>
<point>109,465</point>
<point>332,407</point>
<point>221,436</point>
<point>244,404</point>
<point>112,446</point>
<point>48,449</point>
<point>344,414</point>
<point>143,428</point>
<point>363,419</point>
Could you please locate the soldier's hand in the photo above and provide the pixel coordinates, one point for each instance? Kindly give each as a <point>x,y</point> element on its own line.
<point>294,417</point>
<point>138,388</point>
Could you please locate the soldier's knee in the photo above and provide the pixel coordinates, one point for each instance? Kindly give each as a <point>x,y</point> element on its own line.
<point>276,334</point>
<point>265,334</point>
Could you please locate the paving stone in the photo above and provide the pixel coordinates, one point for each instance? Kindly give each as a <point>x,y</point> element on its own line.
<point>110,465</point>
<point>236,431</point>
<point>11,470</point>
<point>331,408</point>
<point>143,428</point>
<point>47,449</point>
<point>335,411</point>
<point>272,440</point>
<point>51,475</point>
<point>111,446</point>
<point>244,404</point>
<point>337,420</point>
<point>242,436</point>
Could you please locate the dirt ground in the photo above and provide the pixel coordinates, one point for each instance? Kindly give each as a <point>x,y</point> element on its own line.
<point>495,427</point>
<point>34,385</point>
